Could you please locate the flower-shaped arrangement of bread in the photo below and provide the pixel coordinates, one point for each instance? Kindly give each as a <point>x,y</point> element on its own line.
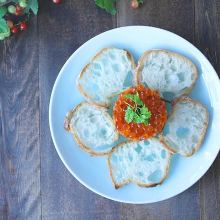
<point>125,101</point>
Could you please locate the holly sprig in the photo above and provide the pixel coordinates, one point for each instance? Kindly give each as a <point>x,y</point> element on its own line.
<point>136,112</point>
<point>14,16</point>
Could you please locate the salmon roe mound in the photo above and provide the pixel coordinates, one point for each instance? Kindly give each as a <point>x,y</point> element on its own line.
<point>140,131</point>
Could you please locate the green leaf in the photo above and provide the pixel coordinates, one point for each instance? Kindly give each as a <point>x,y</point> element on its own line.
<point>3,2</point>
<point>4,29</point>
<point>138,119</point>
<point>144,111</point>
<point>129,115</point>
<point>3,11</point>
<point>129,96</point>
<point>140,1</point>
<point>137,99</point>
<point>108,5</point>
<point>145,114</point>
<point>138,113</point>
<point>33,6</point>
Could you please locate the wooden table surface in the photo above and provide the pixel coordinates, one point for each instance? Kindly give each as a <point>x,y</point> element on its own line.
<point>34,184</point>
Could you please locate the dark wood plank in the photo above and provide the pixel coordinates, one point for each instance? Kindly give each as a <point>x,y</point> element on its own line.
<point>207,39</point>
<point>173,15</point>
<point>207,30</point>
<point>3,202</point>
<point>178,17</point>
<point>19,127</point>
<point>62,29</point>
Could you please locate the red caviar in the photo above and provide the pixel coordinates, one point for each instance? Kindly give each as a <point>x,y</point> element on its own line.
<point>140,131</point>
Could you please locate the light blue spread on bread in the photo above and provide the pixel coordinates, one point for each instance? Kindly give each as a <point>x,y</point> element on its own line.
<point>170,73</point>
<point>186,127</point>
<point>144,162</point>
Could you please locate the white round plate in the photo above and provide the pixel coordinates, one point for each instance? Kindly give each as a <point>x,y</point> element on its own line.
<point>93,171</point>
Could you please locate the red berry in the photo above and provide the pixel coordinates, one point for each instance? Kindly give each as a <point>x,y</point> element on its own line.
<point>14,30</point>
<point>18,13</point>
<point>19,10</point>
<point>57,1</point>
<point>23,26</point>
<point>134,4</point>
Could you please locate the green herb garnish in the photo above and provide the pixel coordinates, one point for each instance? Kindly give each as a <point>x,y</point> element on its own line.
<point>138,112</point>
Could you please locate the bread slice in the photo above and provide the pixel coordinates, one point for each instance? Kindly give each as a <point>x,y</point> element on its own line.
<point>108,74</point>
<point>186,127</point>
<point>170,73</point>
<point>92,128</point>
<point>145,163</point>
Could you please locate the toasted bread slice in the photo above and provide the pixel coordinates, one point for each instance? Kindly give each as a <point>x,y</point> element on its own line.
<point>108,74</point>
<point>145,163</point>
<point>170,73</point>
<point>92,128</point>
<point>186,127</point>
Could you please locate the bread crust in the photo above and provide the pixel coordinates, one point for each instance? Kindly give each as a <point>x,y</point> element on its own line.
<point>145,55</point>
<point>69,128</point>
<point>80,88</point>
<point>197,146</point>
<point>117,186</point>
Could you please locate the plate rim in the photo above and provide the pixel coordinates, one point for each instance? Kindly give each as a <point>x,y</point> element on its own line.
<point>191,183</point>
